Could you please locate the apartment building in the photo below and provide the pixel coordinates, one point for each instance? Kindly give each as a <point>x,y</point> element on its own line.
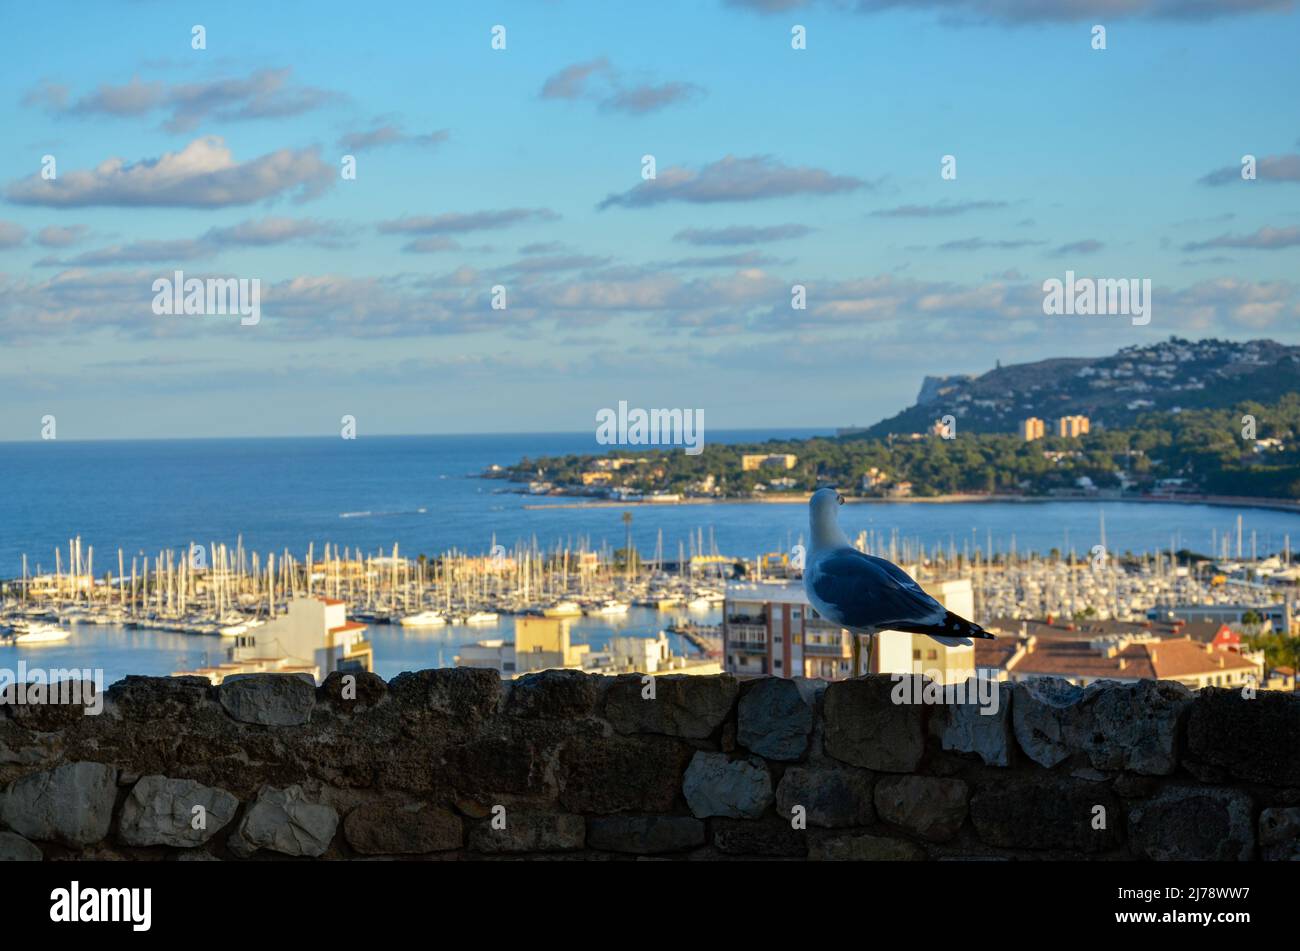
<point>1032,428</point>
<point>751,462</point>
<point>770,629</point>
<point>1068,427</point>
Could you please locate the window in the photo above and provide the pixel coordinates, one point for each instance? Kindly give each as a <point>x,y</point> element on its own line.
<point>916,655</point>
<point>932,655</point>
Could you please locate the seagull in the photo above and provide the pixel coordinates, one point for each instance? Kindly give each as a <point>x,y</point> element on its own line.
<point>866,594</point>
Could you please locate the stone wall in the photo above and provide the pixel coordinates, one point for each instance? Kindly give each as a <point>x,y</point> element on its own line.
<point>453,764</point>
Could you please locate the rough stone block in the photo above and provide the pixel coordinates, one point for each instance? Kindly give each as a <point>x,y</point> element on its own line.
<point>1118,726</point>
<point>530,832</point>
<point>363,691</point>
<point>463,694</point>
<point>933,808</point>
<point>622,774</point>
<point>284,821</point>
<point>71,804</point>
<point>159,698</point>
<point>775,720</point>
<point>717,786</point>
<point>14,848</point>
<point>1042,813</point>
<point>48,708</point>
<point>268,699</point>
<point>966,728</point>
<point>554,695</point>
<point>1255,739</point>
<point>401,828</point>
<point>1194,824</point>
<point>489,767</point>
<point>160,811</point>
<point>864,726</point>
<point>1279,834</point>
<point>683,704</point>
<point>831,798</point>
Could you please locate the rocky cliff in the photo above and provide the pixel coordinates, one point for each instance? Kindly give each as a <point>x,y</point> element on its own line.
<point>1113,391</point>
<point>453,764</point>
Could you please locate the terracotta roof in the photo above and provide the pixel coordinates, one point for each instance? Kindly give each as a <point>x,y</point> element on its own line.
<point>1169,659</point>
<point>331,601</point>
<point>1082,629</point>
<point>1187,658</point>
<point>1203,630</point>
<point>995,653</point>
<point>350,626</point>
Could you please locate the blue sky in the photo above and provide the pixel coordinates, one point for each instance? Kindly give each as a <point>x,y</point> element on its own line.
<point>522,168</point>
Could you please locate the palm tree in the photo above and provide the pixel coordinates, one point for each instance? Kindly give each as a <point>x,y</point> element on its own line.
<point>627,521</point>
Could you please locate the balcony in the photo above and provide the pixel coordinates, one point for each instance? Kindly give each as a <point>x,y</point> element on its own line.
<point>747,635</point>
<point>823,648</point>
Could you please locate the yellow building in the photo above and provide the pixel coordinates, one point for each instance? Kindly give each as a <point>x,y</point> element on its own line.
<point>1069,427</point>
<point>750,462</point>
<point>1032,428</point>
<point>542,643</point>
<point>598,477</point>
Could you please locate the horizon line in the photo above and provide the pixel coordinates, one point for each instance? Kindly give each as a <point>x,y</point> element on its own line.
<point>115,439</point>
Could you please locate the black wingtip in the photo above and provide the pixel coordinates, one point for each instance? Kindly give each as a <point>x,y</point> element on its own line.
<point>961,627</point>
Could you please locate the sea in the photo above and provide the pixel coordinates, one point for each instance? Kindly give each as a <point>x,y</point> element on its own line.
<point>426,495</point>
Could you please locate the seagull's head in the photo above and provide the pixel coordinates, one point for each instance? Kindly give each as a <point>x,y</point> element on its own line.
<point>823,508</point>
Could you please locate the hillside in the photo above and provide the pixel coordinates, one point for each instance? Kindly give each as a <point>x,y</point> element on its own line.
<point>1112,391</point>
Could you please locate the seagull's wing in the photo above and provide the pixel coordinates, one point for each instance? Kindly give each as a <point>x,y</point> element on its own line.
<point>868,593</point>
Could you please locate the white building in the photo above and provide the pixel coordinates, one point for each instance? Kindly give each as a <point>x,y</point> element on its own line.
<point>315,637</point>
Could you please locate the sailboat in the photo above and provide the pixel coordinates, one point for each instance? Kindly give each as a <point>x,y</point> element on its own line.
<point>423,619</point>
<point>41,634</point>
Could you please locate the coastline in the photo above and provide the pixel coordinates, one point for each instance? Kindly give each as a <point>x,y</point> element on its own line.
<point>1231,501</point>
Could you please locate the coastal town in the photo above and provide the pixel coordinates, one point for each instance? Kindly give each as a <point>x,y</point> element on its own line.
<point>1228,620</point>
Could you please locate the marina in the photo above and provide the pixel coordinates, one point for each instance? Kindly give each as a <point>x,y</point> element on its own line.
<point>435,558</point>
<point>218,610</point>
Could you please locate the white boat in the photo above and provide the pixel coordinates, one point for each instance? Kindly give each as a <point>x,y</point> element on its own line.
<point>482,617</point>
<point>423,619</point>
<point>241,627</point>
<point>608,609</point>
<point>563,609</point>
<point>699,604</point>
<point>41,634</point>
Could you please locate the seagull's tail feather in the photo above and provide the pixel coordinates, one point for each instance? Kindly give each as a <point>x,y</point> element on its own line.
<point>953,630</point>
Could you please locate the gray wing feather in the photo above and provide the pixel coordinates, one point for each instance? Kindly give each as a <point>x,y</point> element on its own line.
<point>870,592</point>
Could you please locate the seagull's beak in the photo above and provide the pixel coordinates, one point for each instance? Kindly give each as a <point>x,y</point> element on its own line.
<point>839,498</point>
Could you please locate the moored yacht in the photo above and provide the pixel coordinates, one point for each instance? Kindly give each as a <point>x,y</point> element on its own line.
<point>423,619</point>
<point>39,633</point>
